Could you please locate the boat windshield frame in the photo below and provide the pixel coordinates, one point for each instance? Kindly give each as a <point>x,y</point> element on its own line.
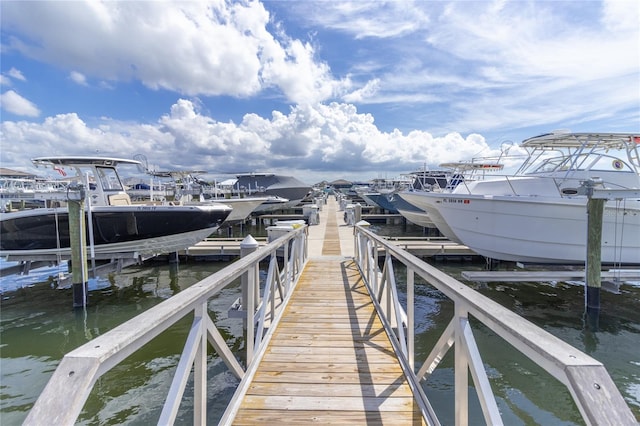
<point>569,152</point>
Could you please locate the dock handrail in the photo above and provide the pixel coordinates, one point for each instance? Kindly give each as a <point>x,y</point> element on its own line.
<point>65,394</point>
<point>587,380</point>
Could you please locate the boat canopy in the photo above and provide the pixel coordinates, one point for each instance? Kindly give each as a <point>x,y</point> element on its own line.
<point>582,140</point>
<point>467,165</point>
<point>81,161</point>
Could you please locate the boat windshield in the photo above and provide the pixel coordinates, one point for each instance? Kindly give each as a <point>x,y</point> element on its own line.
<point>109,178</point>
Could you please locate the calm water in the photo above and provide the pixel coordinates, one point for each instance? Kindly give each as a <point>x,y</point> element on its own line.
<point>38,326</point>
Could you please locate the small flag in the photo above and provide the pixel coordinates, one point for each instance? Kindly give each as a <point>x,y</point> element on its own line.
<point>60,170</point>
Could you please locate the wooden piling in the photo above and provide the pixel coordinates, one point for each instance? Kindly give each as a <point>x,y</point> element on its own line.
<point>78,241</point>
<point>593,267</point>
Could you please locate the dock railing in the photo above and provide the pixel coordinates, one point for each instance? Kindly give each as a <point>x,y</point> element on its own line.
<point>65,395</point>
<point>586,379</point>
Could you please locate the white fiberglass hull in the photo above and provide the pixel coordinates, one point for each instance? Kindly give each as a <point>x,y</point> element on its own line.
<point>539,229</point>
<point>428,202</point>
<point>417,218</point>
<point>242,208</point>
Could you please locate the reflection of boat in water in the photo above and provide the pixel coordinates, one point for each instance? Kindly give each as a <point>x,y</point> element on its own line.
<point>114,224</point>
<point>539,215</point>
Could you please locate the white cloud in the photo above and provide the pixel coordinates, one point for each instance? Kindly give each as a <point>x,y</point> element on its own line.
<point>333,140</point>
<point>469,59</point>
<point>195,48</point>
<point>78,78</point>
<point>15,104</point>
<point>373,19</point>
<point>5,81</point>
<point>16,74</point>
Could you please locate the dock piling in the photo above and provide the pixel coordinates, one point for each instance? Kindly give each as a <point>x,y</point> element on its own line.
<point>593,266</point>
<point>78,241</point>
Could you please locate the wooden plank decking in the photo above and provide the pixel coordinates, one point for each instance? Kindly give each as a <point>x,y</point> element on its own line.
<point>329,360</point>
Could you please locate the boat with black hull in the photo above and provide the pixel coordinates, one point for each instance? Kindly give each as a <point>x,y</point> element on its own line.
<point>115,226</point>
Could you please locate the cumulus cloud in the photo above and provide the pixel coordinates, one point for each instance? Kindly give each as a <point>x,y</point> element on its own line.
<point>78,78</point>
<point>328,141</point>
<point>194,48</point>
<point>13,103</point>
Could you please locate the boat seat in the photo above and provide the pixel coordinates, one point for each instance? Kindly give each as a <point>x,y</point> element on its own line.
<point>119,200</point>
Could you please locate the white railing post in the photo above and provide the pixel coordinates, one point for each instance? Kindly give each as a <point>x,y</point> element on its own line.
<point>288,267</point>
<point>410,318</point>
<point>200,369</point>
<point>248,284</point>
<point>461,371</point>
<point>374,266</point>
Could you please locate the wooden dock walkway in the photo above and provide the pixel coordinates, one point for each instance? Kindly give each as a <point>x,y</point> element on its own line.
<point>329,360</point>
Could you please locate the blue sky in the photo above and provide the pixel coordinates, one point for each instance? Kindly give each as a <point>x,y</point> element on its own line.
<point>316,89</point>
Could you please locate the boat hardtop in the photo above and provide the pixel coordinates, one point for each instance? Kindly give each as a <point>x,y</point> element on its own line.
<point>81,161</point>
<point>583,140</point>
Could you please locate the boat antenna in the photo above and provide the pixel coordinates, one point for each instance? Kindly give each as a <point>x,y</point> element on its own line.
<point>143,166</point>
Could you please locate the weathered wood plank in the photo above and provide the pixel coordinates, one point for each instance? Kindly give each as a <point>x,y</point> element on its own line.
<point>254,417</point>
<point>329,403</point>
<point>395,390</point>
<point>331,368</point>
<point>329,361</point>
<point>360,378</point>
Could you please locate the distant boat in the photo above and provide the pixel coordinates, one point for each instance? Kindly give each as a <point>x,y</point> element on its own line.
<point>539,214</point>
<point>381,191</point>
<point>190,190</point>
<point>422,180</point>
<point>115,225</point>
<point>269,184</point>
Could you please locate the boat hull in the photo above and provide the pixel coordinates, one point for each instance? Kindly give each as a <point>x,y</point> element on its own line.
<point>382,200</point>
<point>144,230</point>
<point>428,202</point>
<point>538,229</point>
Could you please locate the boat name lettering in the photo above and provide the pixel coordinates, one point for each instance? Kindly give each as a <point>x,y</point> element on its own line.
<point>147,208</point>
<point>456,200</point>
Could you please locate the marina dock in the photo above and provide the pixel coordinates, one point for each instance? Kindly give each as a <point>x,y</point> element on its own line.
<point>330,360</point>
<point>329,340</point>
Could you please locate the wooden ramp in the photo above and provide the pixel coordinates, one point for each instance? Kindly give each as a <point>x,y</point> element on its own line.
<point>330,360</point>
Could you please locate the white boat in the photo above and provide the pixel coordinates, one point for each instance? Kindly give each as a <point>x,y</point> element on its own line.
<point>279,187</point>
<point>538,215</point>
<point>114,224</point>
<point>190,190</point>
<point>439,181</point>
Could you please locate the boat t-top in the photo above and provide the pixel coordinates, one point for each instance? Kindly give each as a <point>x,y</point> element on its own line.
<point>116,226</point>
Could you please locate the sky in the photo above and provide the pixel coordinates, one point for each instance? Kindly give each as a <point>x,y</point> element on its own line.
<point>320,90</point>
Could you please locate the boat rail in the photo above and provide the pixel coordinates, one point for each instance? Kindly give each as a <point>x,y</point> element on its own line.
<point>65,394</point>
<point>523,185</point>
<point>587,380</point>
